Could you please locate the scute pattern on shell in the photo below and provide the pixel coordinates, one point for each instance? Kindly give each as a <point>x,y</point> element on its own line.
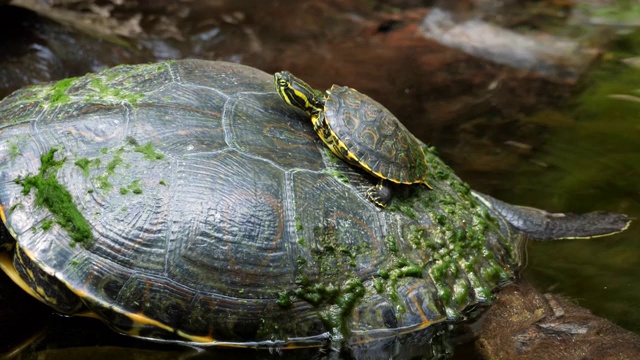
<point>375,136</point>
<point>246,229</point>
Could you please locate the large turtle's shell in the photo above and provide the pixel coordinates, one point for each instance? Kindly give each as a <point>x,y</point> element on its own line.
<point>216,215</point>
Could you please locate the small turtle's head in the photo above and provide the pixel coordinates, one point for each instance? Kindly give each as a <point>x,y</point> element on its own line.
<point>298,93</point>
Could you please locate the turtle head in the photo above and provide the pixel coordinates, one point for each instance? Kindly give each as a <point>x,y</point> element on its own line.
<point>298,93</point>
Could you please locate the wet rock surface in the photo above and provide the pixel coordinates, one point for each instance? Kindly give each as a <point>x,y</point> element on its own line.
<point>526,324</point>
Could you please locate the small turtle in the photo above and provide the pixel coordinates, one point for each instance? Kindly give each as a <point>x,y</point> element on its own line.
<point>361,131</point>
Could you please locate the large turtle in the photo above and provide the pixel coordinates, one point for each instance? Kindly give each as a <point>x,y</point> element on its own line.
<point>185,201</point>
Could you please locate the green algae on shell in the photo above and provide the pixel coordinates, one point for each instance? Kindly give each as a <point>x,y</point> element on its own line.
<point>53,196</point>
<point>244,236</point>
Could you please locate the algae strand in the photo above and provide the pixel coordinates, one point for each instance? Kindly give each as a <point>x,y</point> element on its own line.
<point>52,195</point>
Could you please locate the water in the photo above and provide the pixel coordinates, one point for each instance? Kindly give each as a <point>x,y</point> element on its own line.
<point>590,160</point>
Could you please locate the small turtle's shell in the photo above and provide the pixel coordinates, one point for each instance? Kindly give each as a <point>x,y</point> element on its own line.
<point>377,139</point>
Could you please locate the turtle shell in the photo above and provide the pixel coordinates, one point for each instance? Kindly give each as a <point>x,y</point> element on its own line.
<point>377,139</point>
<point>197,206</point>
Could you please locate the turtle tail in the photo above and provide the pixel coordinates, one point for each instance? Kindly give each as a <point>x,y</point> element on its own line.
<point>542,225</point>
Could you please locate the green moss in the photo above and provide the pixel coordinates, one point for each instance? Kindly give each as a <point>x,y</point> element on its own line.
<point>103,180</point>
<point>387,281</point>
<point>52,195</point>
<point>130,140</point>
<point>149,152</point>
<point>461,292</point>
<point>162,182</point>
<point>58,94</point>
<point>391,244</point>
<point>84,165</point>
<point>135,187</point>
<point>338,288</point>
<point>383,273</point>
<point>46,225</point>
<point>333,159</point>
<point>408,211</point>
<point>349,294</point>
<point>117,160</point>
<point>340,176</point>
<point>106,92</point>
<point>460,187</point>
<point>298,223</point>
<point>14,152</point>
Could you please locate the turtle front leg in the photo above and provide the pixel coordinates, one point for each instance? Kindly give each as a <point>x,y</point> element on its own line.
<point>380,194</point>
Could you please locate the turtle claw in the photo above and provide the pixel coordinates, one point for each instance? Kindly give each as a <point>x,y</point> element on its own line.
<point>379,194</point>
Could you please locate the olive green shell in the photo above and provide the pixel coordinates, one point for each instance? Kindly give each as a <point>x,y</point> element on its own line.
<point>215,215</point>
<point>375,136</point>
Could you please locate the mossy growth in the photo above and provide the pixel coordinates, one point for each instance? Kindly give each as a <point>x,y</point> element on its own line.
<point>14,151</point>
<point>104,91</point>
<point>331,157</point>
<point>148,151</point>
<point>103,180</point>
<point>135,187</point>
<point>387,279</point>
<point>298,224</point>
<point>58,94</point>
<point>52,195</point>
<point>46,225</point>
<point>339,175</point>
<point>339,288</point>
<point>85,163</point>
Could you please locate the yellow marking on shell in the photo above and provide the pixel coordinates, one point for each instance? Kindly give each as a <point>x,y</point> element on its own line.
<point>338,148</point>
<point>196,338</point>
<point>3,217</point>
<point>418,306</point>
<point>244,345</point>
<point>366,337</point>
<point>6,264</point>
<point>42,294</point>
<point>89,314</point>
<point>140,318</point>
